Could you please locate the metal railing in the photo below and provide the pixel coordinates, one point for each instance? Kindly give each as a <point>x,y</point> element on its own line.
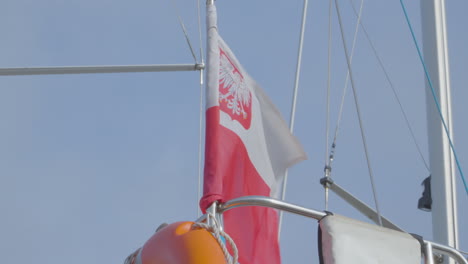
<point>429,247</point>
<point>272,203</point>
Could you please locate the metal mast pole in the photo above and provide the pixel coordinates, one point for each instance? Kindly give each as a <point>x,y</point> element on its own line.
<point>442,162</point>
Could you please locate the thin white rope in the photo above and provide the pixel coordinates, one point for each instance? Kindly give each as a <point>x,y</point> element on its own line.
<point>395,93</point>
<point>181,23</point>
<point>327,162</point>
<point>218,233</point>
<point>293,107</point>
<point>366,151</point>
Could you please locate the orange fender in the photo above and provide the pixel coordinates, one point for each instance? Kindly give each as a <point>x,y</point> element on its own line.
<point>178,243</point>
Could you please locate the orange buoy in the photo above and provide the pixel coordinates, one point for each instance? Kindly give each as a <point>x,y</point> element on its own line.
<point>178,243</point>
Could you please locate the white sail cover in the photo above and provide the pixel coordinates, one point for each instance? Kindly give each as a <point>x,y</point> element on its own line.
<point>346,240</point>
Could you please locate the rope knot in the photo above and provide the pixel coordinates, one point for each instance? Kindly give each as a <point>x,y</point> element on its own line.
<point>218,234</point>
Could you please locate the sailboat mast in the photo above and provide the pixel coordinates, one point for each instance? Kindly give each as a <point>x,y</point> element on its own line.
<point>442,162</point>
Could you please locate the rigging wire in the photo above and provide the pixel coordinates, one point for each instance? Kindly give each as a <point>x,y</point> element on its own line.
<point>390,83</point>
<point>345,88</point>
<point>181,23</point>
<point>428,78</point>
<point>293,107</point>
<point>327,162</point>
<point>366,151</point>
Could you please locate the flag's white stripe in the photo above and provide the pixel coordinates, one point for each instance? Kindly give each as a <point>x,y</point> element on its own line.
<point>255,144</point>
<point>270,146</point>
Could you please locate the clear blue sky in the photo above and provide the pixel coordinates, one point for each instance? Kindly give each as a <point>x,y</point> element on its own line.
<point>90,165</point>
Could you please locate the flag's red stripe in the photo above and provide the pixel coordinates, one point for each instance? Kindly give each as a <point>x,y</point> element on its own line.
<point>229,173</point>
<point>255,232</point>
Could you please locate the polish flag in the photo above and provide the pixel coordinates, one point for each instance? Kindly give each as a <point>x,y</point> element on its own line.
<point>248,149</point>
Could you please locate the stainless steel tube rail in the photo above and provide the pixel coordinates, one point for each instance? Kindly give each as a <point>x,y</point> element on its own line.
<point>452,252</point>
<point>272,203</point>
<point>299,210</point>
<point>428,254</point>
<point>99,69</point>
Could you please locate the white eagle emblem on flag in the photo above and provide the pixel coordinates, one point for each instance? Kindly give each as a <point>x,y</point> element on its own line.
<point>235,97</point>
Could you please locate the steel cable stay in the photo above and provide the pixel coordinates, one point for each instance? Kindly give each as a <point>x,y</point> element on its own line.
<point>329,158</point>
<point>184,30</point>
<point>391,85</point>
<point>358,111</point>
<point>378,57</point>
<point>328,184</point>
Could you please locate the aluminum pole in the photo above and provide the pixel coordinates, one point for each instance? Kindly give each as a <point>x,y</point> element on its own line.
<point>359,205</point>
<point>98,69</point>
<point>443,188</point>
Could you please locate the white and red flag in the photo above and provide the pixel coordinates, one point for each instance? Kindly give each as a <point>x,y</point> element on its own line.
<point>248,149</point>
